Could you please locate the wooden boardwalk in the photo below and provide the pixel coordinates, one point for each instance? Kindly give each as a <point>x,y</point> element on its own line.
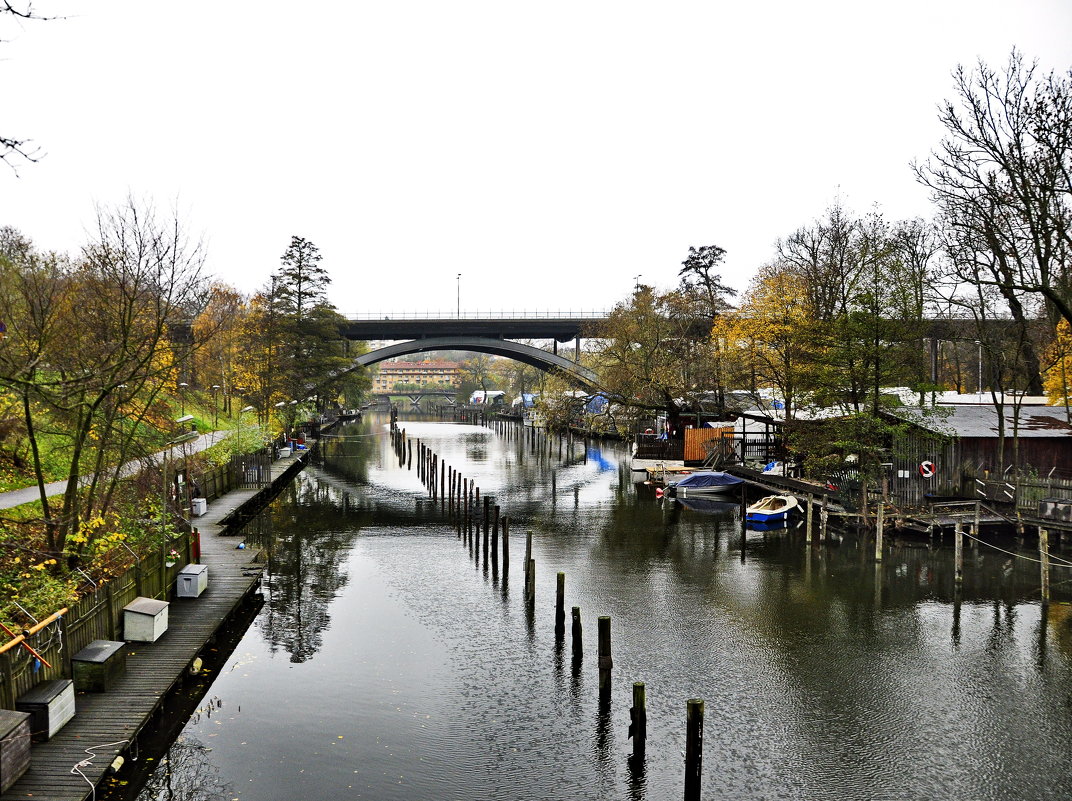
<point>106,724</point>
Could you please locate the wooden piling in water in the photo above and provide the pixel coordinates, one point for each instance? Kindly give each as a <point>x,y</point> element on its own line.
<point>528,552</point>
<point>560,606</point>
<point>880,523</point>
<point>694,717</point>
<point>487,521</point>
<point>530,583</point>
<point>495,533</point>
<point>958,554</point>
<point>578,645</point>
<point>638,718</point>
<point>824,514</point>
<point>810,513</point>
<point>606,663</point>
<point>506,544</point>
<point>1044,560</point>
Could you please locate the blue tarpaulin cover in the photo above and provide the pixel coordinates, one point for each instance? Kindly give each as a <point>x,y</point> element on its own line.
<point>708,478</point>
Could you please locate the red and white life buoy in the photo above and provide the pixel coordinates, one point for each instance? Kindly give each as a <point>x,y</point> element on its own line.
<point>927,469</point>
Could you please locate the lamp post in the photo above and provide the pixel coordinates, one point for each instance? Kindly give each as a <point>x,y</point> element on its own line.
<point>181,439</point>
<point>979,344</point>
<point>182,397</point>
<point>636,282</point>
<point>215,408</point>
<point>458,310</point>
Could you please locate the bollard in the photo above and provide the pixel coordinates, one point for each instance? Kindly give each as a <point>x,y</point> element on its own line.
<point>693,748</point>
<point>578,646</point>
<point>605,660</point>
<point>638,718</point>
<point>560,606</point>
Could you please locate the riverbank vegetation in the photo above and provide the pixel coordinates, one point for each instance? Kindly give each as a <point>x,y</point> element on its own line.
<point>112,361</point>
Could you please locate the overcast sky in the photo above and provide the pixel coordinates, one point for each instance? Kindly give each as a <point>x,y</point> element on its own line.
<point>548,152</point>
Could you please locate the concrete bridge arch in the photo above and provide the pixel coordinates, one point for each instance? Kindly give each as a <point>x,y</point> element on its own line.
<point>526,354</point>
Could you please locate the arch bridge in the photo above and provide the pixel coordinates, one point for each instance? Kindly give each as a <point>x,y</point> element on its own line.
<point>491,335</point>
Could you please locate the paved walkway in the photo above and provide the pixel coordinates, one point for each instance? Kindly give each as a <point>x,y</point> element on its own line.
<point>106,724</point>
<point>18,497</point>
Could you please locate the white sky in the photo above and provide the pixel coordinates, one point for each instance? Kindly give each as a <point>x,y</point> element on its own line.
<point>547,152</point>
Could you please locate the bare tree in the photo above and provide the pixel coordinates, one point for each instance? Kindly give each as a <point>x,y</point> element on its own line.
<point>1003,179</point>
<point>12,149</point>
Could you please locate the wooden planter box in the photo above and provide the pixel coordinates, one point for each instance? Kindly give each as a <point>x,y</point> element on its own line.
<point>99,665</point>
<point>14,747</point>
<point>50,704</point>
<point>144,620</point>
<point>192,581</point>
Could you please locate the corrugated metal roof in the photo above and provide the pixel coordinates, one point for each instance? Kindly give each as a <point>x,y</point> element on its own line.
<point>982,421</point>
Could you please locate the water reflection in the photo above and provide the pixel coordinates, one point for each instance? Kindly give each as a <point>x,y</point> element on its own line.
<point>405,666</point>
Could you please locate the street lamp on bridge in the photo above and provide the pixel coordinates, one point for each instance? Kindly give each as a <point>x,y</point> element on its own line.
<point>458,312</point>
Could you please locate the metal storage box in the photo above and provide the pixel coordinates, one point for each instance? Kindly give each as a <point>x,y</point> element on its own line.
<point>284,453</point>
<point>50,704</point>
<point>192,581</point>
<point>144,620</point>
<point>97,666</point>
<point>198,506</point>
<point>14,747</point>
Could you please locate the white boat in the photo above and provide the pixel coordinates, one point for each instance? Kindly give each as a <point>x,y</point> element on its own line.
<point>773,508</point>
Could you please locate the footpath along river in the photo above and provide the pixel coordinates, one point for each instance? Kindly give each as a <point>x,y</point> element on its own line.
<point>389,662</point>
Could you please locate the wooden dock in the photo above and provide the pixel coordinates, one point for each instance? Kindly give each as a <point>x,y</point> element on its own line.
<point>71,765</point>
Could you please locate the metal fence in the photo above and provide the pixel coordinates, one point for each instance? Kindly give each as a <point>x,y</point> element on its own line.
<point>251,470</point>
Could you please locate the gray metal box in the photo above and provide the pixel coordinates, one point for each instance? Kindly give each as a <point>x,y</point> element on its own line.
<point>144,620</point>
<point>191,581</point>
<point>51,704</point>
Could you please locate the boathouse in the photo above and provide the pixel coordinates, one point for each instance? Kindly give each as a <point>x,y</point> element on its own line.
<point>980,446</point>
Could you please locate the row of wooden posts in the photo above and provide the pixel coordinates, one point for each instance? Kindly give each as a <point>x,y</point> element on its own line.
<point>461,499</point>
<point>958,539</point>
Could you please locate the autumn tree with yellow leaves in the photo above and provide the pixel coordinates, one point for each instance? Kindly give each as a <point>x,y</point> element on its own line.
<point>87,351</point>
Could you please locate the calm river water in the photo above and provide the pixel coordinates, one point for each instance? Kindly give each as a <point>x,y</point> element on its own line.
<point>389,662</point>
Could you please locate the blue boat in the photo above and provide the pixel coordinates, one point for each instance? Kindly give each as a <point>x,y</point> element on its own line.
<point>772,509</point>
<point>703,482</point>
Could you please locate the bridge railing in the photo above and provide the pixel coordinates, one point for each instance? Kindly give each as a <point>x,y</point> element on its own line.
<point>571,314</point>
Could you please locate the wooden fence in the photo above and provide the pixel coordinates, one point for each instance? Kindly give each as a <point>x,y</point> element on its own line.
<point>96,616</point>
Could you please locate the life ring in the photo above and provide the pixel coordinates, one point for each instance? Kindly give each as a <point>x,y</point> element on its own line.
<point>927,469</point>
<point>648,431</point>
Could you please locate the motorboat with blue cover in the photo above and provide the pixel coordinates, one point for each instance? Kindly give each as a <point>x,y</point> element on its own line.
<point>703,482</point>
<point>772,509</point>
